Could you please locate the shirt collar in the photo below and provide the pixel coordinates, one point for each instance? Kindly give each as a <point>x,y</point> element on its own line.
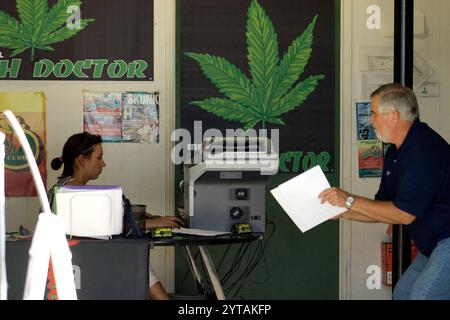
<point>409,137</point>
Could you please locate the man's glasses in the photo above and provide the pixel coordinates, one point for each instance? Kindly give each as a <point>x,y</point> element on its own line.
<point>372,114</point>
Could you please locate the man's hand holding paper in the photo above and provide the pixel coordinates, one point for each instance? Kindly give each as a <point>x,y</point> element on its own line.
<point>334,196</point>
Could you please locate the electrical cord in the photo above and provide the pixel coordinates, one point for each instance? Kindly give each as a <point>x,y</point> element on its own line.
<point>223,258</point>
<point>207,288</point>
<point>234,265</point>
<point>269,223</point>
<point>247,269</point>
<point>232,281</point>
<point>251,263</point>
<point>237,266</point>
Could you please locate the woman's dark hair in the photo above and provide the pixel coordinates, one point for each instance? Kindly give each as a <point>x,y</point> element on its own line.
<point>80,143</point>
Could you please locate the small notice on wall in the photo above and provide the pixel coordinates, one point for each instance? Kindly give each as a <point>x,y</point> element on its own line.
<point>131,117</point>
<point>364,128</point>
<point>370,149</point>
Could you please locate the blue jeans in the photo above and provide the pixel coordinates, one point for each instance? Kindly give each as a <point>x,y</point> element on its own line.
<point>427,278</point>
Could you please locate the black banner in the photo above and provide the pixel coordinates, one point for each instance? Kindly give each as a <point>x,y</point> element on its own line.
<point>250,41</point>
<point>76,40</point>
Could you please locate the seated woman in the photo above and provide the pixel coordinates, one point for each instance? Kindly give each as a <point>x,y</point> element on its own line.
<point>82,157</point>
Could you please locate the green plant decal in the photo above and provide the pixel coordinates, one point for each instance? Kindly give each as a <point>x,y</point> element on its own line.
<point>39,27</point>
<point>273,90</point>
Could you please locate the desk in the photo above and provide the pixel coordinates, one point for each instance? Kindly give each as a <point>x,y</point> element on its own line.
<point>103,269</point>
<point>202,242</point>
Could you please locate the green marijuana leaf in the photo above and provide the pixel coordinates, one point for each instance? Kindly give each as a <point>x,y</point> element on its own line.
<point>38,27</point>
<point>273,89</point>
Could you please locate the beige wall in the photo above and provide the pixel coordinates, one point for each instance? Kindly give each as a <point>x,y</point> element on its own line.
<point>143,170</point>
<point>360,243</point>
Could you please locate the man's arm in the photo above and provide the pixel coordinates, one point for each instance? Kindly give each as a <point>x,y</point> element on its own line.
<point>355,216</point>
<point>382,211</point>
<point>374,210</point>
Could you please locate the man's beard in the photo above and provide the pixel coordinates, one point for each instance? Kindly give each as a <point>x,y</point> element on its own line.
<point>381,137</point>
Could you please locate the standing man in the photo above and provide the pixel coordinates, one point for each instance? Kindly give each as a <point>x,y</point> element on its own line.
<point>414,191</point>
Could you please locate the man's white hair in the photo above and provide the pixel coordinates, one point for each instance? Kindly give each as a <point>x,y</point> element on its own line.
<point>396,97</point>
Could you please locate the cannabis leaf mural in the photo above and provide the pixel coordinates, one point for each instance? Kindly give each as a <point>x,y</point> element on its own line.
<point>39,27</point>
<point>274,88</point>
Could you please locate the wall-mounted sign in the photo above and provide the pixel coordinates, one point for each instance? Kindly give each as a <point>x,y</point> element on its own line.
<point>76,40</point>
<point>273,68</point>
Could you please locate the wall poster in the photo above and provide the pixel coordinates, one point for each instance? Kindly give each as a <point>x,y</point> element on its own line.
<point>29,109</point>
<point>370,149</point>
<point>370,158</point>
<point>131,117</point>
<point>103,115</point>
<point>140,122</point>
<point>364,128</point>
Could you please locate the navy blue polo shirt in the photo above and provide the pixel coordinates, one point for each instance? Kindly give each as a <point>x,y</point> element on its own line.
<point>416,177</point>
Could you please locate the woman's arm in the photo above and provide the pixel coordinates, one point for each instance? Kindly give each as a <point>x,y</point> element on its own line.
<point>167,221</point>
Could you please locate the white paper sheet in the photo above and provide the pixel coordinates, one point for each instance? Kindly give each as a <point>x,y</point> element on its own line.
<point>198,232</point>
<point>299,199</point>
